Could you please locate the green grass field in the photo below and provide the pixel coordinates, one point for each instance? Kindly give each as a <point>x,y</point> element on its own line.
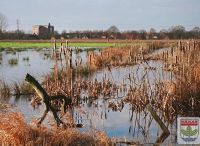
<point>18,45</point>
<point>21,46</point>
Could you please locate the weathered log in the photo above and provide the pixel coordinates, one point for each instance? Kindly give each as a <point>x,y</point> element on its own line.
<point>165,130</point>
<point>47,100</point>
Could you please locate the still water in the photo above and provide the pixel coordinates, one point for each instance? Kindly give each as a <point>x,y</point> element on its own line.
<point>125,124</point>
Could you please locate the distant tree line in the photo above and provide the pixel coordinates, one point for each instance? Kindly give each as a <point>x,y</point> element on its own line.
<point>174,32</point>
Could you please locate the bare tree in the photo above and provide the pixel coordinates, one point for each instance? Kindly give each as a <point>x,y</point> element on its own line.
<point>196,29</point>
<point>113,29</point>
<point>3,22</point>
<point>152,31</point>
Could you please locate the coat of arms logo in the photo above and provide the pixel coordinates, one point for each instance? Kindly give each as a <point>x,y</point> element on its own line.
<point>188,130</point>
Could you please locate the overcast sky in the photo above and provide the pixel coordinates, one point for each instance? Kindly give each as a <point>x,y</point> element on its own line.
<point>101,14</point>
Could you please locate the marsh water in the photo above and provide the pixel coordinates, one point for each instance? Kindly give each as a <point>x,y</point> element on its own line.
<point>121,124</point>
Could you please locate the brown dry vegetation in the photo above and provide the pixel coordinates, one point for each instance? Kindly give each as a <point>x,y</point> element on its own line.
<point>160,97</point>
<point>60,81</point>
<point>187,63</point>
<point>94,88</point>
<point>123,55</point>
<point>22,89</point>
<point>4,90</point>
<point>15,131</point>
<point>179,96</point>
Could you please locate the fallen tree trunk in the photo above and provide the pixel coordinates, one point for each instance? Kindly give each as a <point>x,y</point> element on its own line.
<point>47,100</point>
<point>165,130</point>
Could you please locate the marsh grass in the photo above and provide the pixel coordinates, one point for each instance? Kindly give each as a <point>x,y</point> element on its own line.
<point>18,132</point>
<point>178,96</point>
<point>187,63</point>
<point>169,98</point>
<point>160,94</point>
<point>109,57</point>
<point>4,107</point>
<point>25,59</point>
<point>92,49</point>
<point>22,89</point>
<point>5,91</point>
<point>106,59</point>
<point>13,61</point>
<point>123,55</point>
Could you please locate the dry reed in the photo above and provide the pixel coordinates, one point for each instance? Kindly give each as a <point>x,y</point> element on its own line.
<point>18,132</point>
<point>4,90</point>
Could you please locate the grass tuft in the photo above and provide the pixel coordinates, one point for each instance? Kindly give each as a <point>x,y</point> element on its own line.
<point>13,61</point>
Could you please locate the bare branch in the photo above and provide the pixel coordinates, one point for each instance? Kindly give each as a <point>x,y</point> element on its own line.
<point>3,23</point>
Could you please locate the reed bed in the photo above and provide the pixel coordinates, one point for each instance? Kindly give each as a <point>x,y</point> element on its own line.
<point>179,95</point>
<point>18,132</point>
<point>186,62</point>
<point>4,90</point>
<point>122,55</point>
<point>159,95</point>
<point>93,89</point>
<point>62,81</point>
<point>69,80</point>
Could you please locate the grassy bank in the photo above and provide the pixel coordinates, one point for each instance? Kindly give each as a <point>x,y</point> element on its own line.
<point>47,44</point>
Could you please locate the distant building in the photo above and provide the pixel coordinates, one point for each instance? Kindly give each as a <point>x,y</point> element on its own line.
<point>43,31</point>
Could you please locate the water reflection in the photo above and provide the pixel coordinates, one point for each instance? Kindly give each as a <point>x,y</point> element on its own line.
<point>117,118</point>
<point>39,63</point>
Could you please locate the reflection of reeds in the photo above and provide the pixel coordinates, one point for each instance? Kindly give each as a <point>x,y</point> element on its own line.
<point>47,55</point>
<point>26,59</point>
<point>1,56</point>
<point>140,91</point>
<point>178,96</point>
<point>60,79</point>
<point>143,92</point>
<point>93,88</point>
<point>68,77</point>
